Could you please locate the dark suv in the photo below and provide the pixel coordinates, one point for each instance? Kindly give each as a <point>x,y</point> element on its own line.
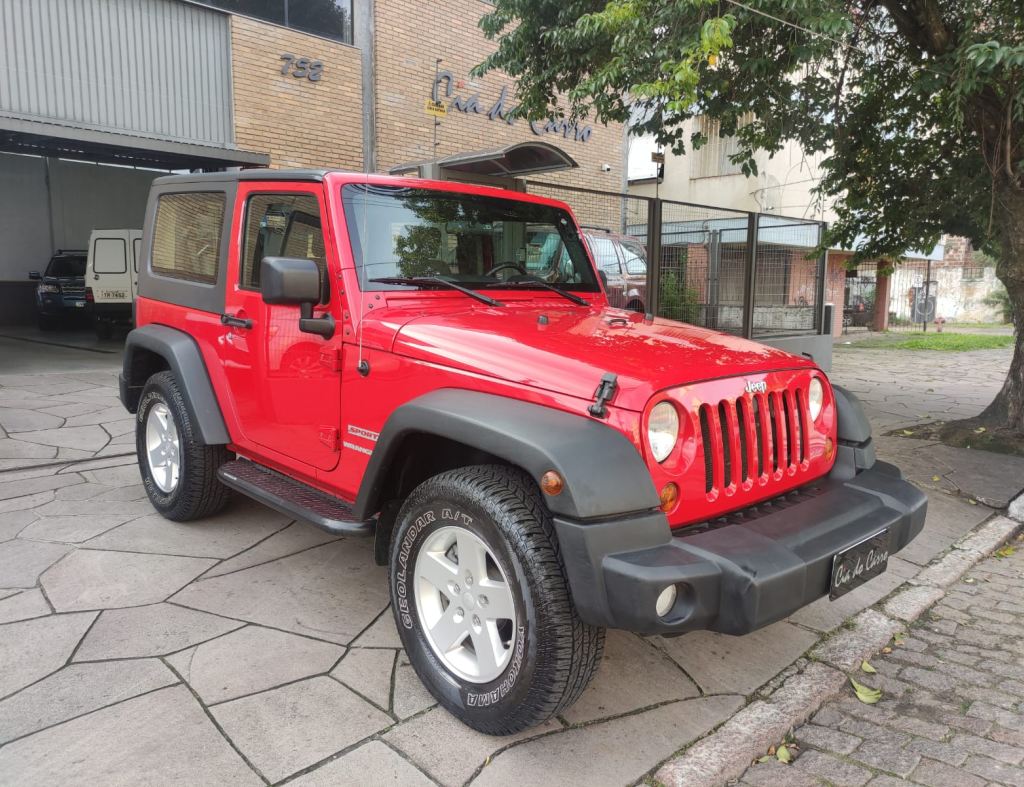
<point>61,288</point>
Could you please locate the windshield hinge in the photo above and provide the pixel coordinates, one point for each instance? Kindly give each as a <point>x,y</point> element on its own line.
<point>330,358</point>
<point>605,391</point>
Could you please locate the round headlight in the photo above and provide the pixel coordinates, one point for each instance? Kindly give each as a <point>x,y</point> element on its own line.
<point>662,430</point>
<point>815,398</point>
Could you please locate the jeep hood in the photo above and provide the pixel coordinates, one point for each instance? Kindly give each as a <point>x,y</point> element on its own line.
<point>567,350</point>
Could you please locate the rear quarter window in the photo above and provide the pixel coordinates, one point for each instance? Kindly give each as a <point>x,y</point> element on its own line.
<point>186,235</point>
<point>109,255</point>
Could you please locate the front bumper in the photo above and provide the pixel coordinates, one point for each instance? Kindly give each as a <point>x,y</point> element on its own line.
<point>733,578</point>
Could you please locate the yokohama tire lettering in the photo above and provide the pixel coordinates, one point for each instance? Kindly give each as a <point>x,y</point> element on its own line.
<point>499,692</point>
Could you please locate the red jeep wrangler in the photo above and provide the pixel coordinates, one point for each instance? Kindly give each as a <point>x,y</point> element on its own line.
<point>420,363</point>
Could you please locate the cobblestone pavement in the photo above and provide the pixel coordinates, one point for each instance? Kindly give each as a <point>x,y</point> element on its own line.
<point>952,711</point>
<point>249,648</point>
<point>902,387</point>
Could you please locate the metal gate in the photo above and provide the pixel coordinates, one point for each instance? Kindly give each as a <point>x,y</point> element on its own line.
<point>913,294</point>
<point>750,274</point>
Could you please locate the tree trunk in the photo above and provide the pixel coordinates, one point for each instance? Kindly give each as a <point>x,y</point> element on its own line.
<point>1007,409</point>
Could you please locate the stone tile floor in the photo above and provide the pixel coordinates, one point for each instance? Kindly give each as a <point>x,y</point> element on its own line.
<point>249,648</point>
<point>952,711</point>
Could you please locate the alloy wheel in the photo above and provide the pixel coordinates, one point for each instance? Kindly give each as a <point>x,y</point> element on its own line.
<point>465,604</point>
<point>163,448</point>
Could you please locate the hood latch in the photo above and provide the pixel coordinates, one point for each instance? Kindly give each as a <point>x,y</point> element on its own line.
<point>605,391</point>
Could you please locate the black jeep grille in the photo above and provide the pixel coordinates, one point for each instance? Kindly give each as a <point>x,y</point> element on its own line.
<point>754,436</point>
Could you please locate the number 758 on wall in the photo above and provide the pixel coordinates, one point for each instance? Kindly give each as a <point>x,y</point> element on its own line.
<point>300,67</point>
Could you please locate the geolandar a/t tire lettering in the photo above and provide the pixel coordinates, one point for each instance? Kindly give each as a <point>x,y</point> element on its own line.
<point>178,472</point>
<point>476,585</point>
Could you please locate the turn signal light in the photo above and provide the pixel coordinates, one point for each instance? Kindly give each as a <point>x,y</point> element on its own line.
<point>552,483</point>
<point>830,449</point>
<point>669,496</point>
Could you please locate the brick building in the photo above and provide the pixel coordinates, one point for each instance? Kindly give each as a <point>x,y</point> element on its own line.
<point>118,92</point>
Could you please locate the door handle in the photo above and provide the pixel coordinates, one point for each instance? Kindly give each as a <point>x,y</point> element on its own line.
<point>235,322</point>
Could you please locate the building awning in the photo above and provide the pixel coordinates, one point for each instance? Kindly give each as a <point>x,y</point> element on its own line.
<point>518,160</point>
<point>34,138</point>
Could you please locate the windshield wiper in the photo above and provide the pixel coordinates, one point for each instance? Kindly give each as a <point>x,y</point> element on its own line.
<point>437,281</point>
<point>531,279</point>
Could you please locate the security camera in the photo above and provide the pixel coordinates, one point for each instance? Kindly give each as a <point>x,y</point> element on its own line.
<point>606,167</point>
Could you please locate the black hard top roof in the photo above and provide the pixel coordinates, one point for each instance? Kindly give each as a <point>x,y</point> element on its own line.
<point>256,173</point>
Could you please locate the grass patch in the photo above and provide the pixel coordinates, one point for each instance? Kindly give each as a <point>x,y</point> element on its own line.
<point>948,342</point>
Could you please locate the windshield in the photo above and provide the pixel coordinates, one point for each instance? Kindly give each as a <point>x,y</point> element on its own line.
<point>66,267</point>
<point>479,242</point>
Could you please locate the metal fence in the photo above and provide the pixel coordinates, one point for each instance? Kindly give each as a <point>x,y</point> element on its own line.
<point>913,293</point>
<point>750,274</point>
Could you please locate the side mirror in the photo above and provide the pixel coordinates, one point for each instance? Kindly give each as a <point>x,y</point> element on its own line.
<point>35,275</point>
<point>284,280</point>
<point>288,281</point>
<point>604,277</point>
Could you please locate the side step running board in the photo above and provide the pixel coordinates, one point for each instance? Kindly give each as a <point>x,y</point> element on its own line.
<point>292,497</point>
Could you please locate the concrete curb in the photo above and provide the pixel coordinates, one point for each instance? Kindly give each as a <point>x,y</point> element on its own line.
<point>727,753</point>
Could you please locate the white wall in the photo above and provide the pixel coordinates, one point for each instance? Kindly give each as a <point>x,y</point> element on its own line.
<point>82,196</point>
<point>782,186</point>
<point>24,226</point>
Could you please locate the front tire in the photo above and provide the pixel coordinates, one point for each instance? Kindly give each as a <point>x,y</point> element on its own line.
<point>178,472</point>
<point>482,604</point>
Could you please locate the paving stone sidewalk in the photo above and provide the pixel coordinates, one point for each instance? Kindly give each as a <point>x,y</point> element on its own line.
<point>253,649</point>
<point>952,711</point>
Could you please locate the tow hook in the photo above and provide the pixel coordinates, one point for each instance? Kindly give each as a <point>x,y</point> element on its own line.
<point>605,391</point>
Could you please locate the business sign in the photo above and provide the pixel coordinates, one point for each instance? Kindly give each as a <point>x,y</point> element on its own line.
<point>444,88</point>
<point>435,108</point>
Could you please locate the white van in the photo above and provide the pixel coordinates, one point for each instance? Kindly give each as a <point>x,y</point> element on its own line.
<point>112,277</point>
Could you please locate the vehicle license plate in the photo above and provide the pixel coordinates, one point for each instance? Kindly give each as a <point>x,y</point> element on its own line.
<point>855,565</point>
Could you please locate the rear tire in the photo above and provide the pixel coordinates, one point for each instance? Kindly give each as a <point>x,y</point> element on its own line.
<point>178,472</point>
<point>543,655</point>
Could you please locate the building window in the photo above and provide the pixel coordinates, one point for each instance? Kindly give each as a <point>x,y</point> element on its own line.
<point>281,225</point>
<point>327,18</point>
<point>186,235</point>
<point>712,160</point>
<point>973,272</point>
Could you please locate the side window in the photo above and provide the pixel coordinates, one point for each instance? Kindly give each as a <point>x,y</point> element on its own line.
<point>109,255</point>
<point>186,235</point>
<point>604,254</point>
<point>280,225</point>
<point>136,251</point>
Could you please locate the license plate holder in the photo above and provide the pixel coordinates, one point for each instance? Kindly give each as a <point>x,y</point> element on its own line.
<point>856,564</point>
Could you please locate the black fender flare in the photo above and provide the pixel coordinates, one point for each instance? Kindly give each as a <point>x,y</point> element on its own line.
<point>603,471</point>
<point>853,425</point>
<point>185,360</point>
<point>855,450</point>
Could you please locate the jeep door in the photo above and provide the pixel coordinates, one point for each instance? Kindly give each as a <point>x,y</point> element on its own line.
<point>283,381</point>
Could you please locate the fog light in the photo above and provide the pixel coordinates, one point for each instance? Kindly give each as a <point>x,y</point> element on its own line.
<point>830,448</point>
<point>552,483</point>
<point>666,600</point>
<point>669,495</point>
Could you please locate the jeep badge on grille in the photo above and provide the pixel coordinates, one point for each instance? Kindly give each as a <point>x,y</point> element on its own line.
<point>759,386</point>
